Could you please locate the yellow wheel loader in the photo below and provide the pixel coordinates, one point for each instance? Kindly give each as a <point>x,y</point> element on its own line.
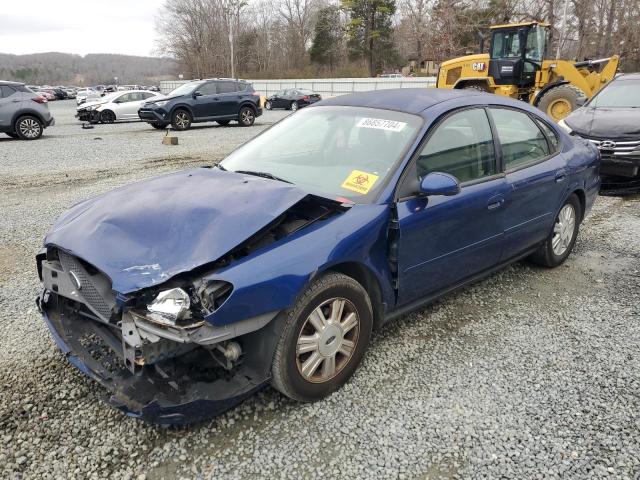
<point>517,67</point>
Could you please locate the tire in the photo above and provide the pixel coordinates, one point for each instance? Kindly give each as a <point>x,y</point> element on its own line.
<point>181,119</point>
<point>294,106</point>
<point>479,87</point>
<point>267,105</point>
<point>12,135</point>
<point>246,116</point>
<point>107,116</point>
<point>292,374</point>
<point>224,123</point>
<point>28,127</point>
<point>159,126</point>
<point>560,101</point>
<point>558,245</point>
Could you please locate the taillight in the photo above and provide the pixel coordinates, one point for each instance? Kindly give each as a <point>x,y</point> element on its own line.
<point>256,94</point>
<point>39,99</point>
<point>306,97</point>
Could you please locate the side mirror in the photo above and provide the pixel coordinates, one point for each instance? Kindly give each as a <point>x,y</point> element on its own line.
<point>580,101</point>
<point>197,94</point>
<point>437,183</point>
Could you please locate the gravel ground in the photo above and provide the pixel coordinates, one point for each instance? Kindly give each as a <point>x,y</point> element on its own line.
<point>531,373</point>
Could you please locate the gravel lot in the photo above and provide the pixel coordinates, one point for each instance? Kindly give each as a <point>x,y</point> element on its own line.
<point>532,373</point>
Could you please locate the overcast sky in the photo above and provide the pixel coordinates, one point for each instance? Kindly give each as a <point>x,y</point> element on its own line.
<point>78,26</point>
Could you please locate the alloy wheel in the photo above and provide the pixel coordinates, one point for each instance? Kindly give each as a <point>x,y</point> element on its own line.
<point>182,120</point>
<point>29,128</point>
<point>247,116</point>
<point>294,106</point>
<point>563,230</point>
<point>327,340</point>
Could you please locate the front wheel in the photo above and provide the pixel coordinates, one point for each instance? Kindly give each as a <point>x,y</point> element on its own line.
<point>29,128</point>
<point>559,244</point>
<point>560,101</point>
<point>268,105</point>
<point>159,126</point>
<point>107,117</point>
<point>246,116</point>
<point>325,336</point>
<point>181,120</point>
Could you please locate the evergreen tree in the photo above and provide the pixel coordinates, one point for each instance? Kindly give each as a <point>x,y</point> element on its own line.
<point>327,37</point>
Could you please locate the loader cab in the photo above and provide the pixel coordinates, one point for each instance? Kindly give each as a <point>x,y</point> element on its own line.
<point>517,52</point>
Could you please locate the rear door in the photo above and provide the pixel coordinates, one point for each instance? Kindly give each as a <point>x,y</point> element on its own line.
<point>229,96</point>
<point>537,174</point>
<point>10,101</point>
<point>128,105</point>
<point>444,240</point>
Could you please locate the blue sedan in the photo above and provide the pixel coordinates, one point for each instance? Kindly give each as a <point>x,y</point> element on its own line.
<point>186,293</point>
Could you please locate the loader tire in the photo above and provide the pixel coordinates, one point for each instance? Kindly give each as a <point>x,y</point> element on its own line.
<point>478,87</point>
<point>560,101</point>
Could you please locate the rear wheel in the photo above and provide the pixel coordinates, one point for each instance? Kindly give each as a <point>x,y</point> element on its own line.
<point>324,338</point>
<point>558,245</point>
<point>246,116</point>
<point>181,120</point>
<point>268,105</point>
<point>223,122</point>
<point>294,106</point>
<point>29,128</point>
<point>560,101</point>
<point>107,116</point>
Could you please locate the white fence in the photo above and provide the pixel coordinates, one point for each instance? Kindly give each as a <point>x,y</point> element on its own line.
<point>327,87</point>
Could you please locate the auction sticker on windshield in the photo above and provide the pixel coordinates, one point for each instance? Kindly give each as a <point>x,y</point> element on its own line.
<point>360,182</point>
<point>381,124</point>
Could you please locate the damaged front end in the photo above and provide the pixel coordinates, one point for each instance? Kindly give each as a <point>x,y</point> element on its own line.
<point>180,350</point>
<point>168,371</point>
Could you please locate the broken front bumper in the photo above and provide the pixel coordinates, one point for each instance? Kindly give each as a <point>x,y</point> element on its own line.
<point>174,392</point>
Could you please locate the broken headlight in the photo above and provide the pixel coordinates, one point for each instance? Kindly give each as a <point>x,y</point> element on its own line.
<point>170,306</point>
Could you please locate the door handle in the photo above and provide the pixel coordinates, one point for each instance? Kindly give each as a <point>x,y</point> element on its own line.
<point>16,101</point>
<point>495,202</point>
<point>561,175</point>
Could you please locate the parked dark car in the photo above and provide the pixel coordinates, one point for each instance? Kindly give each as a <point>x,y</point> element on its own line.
<point>23,113</point>
<point>611,121</point>
<point>198,288</point>
<point>291,99</point>
<point>220,100</point>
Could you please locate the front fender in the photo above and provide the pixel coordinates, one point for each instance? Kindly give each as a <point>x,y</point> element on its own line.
<point>271,279</point>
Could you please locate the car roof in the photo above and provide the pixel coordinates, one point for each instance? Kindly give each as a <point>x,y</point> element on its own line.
<point>408,100</point>
<point>7,82</point>
<point>627,76</point>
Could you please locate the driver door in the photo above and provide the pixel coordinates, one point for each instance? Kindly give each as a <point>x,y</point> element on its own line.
<point>445,240</point>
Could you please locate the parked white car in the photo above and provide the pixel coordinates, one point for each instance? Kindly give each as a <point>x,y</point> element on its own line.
<point>87,95</point>
<point>114,107</point>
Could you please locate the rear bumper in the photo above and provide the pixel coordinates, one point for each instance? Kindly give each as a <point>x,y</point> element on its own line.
<point>51,122</point>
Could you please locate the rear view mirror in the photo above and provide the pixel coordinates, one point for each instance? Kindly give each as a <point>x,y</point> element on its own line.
<point>197,94</point>
<point>437,183</point>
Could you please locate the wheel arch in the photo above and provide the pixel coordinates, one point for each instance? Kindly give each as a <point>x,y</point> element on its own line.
<point>248,103</point>
<point>181,106</point>
<point>463,82</point>
<point>582,197</point>
<point>27,112</point>
<point>369,281</point>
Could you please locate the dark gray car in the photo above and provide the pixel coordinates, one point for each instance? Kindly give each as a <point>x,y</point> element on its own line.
<point>23,113</point>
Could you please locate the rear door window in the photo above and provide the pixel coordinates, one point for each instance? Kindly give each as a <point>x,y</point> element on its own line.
<point>6,91</point>
<point>554,141</point>
<point>521,139</point>
<point>227,87</point>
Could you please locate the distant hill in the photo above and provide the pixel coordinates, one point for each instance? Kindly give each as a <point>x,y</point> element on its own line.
<point>97,68</point>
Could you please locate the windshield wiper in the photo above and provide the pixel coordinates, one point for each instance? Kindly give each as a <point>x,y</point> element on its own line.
<point>219,165</point>
<point>263,175</point>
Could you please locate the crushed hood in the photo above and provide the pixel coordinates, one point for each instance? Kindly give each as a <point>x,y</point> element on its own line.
<point>143,234</point>
<point>606,123</point>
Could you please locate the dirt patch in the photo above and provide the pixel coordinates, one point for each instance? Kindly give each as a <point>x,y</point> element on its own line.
<point>10,260</point>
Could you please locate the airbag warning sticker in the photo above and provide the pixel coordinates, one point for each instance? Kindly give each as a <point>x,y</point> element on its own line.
<point>381,124</point>
<point>360,182</point>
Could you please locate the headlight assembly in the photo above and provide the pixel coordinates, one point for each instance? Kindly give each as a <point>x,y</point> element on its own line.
<point>170,306</point>
<point>161,103</point>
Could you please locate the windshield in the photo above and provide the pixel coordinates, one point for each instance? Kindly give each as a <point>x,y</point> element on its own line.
<point>620,93</point>
<point>185,89</point>
<point>334,152</point>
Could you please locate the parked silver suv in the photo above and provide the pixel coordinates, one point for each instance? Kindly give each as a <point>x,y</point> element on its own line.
<point>23,113</point>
